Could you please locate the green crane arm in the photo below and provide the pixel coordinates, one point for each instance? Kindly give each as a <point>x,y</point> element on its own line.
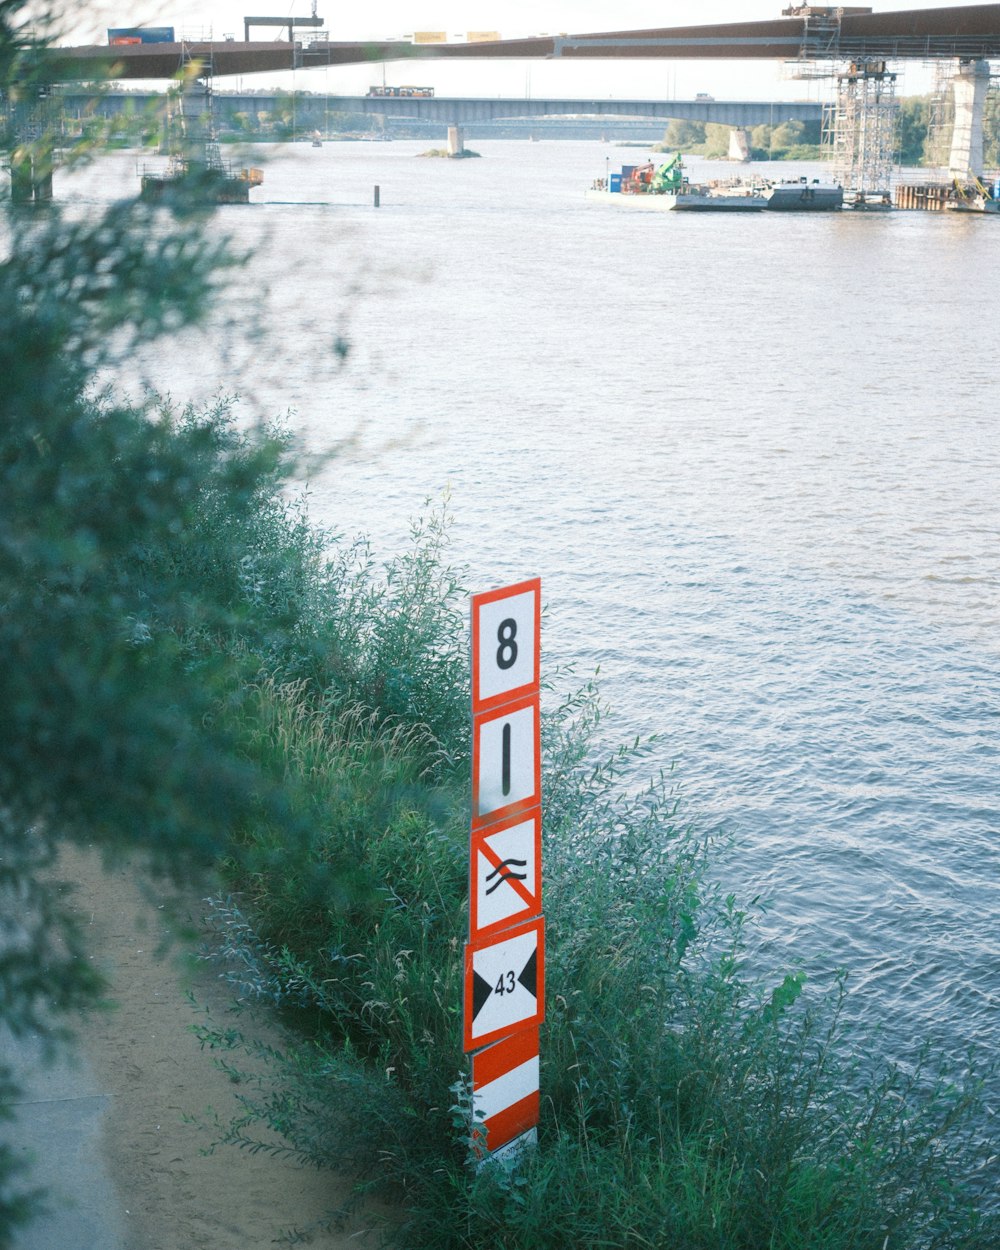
<point>669,175</point>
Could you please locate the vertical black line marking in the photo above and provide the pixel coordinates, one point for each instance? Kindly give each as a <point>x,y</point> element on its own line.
<point>505,769</point>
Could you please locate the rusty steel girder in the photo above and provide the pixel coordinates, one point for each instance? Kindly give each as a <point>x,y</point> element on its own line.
<point>967,32</point>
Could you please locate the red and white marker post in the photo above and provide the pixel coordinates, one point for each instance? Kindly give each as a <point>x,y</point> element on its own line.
<point>505,955</point>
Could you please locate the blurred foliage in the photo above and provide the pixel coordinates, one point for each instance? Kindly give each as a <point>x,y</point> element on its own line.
<point>112,679</point>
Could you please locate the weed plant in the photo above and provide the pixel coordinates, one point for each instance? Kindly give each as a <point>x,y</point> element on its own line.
<point>683,1105</point>
<point>306,605</point>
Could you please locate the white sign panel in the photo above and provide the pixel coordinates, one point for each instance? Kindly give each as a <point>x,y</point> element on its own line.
<point>507,1090</point>
<point>506,769</point>
<point>506,881</point>
<point>506,626</point>
<point>504,984</point>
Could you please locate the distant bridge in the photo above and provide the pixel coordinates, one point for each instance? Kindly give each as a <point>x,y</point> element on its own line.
<point>465,110</point>
<point>461,111</point>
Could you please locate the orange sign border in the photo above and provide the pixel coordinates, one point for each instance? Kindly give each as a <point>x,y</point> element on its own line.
<point>491,596</point>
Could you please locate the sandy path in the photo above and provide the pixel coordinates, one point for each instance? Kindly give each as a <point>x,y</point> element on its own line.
<point>174,1197</point>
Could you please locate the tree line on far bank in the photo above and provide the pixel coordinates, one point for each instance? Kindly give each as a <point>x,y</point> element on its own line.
<point>923,139</point>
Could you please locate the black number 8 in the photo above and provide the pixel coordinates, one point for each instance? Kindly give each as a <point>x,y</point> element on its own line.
<point>507,651</point>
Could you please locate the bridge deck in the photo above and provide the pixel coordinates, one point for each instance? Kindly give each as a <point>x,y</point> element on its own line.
<point>970,31</point>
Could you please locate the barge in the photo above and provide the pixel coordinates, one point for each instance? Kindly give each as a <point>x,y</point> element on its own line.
<point>804,196</point>
<point>666,188</point>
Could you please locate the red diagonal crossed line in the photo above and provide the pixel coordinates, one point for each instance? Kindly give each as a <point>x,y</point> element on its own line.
<point>517,886</point>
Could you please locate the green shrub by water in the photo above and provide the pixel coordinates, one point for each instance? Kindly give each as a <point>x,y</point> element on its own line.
<point>683,1104</point>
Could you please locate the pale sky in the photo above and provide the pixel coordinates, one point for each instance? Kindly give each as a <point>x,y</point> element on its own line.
<point>383,19</point>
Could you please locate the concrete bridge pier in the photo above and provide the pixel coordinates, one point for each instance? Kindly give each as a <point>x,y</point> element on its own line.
<point>456,140</point>
<point>739,144</point>
<point>32,122</point>
<point>970,86</point>
<point>31,175</point>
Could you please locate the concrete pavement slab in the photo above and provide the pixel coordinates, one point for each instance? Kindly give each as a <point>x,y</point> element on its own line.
<point>60,1115</point>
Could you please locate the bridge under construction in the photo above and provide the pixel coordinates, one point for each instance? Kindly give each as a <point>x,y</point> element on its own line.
<point>857,49</point>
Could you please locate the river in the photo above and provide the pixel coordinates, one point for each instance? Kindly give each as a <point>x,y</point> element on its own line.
<point>755,462</point>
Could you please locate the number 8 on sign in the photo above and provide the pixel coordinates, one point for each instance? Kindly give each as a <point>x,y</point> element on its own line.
<point>507,650</point>
<point>506,627</point>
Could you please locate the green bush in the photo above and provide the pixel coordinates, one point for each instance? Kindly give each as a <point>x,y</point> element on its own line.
<point>682,1105</point>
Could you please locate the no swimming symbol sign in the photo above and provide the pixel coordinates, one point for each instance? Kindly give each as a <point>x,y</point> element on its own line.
<point>506,871</point>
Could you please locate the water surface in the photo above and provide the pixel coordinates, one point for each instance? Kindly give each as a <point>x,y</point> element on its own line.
<point>754,460</point>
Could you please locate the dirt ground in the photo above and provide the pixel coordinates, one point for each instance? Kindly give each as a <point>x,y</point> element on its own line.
<point>174,1196</point>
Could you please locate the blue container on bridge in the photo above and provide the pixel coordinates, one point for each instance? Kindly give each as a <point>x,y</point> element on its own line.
<point>615,182</point>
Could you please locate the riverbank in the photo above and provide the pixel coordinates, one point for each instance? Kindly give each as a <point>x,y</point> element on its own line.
<point>161,1090</point>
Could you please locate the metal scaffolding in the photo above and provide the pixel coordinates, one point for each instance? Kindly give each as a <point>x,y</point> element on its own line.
<point>949,128</point>
<point>196,111</point>
<point>863,132</point>
<point>940,114</point>
<point>191,141</point>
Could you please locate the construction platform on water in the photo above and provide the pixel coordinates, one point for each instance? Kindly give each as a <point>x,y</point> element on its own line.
<point>217,182</point>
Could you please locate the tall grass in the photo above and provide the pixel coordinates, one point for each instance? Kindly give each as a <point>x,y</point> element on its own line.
<point>684,1104</point>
